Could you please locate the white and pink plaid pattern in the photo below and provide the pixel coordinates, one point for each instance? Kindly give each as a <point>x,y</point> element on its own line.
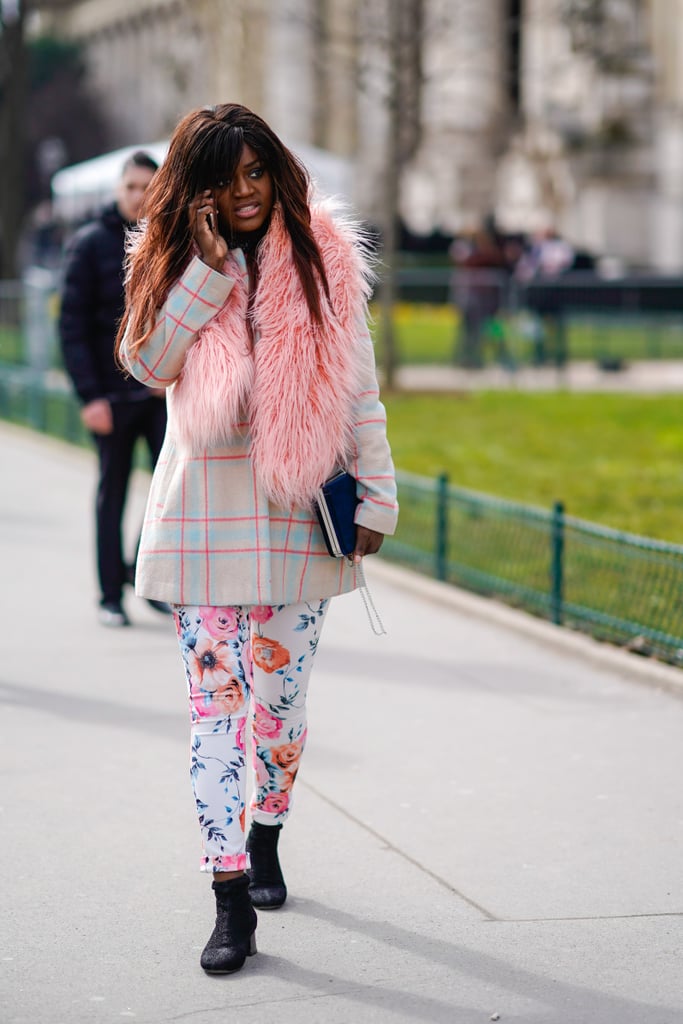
<point>210,535</point>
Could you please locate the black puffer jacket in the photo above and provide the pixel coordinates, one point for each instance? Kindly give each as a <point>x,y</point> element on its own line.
<point>92,305</point>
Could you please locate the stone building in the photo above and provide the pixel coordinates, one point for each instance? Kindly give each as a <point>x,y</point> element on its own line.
<point>562,112</point>
<point>583,157</point>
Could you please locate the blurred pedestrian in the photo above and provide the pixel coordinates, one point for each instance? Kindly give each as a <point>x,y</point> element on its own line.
<point>479,291</point>
<point>548,257</point>
<point>116,409</point>
<point>247,299</point>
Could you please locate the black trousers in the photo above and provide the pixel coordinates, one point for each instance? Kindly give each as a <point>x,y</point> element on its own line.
<point>144,418</point>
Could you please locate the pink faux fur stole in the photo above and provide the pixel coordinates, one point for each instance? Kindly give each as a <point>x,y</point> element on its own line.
<point>298,387</point>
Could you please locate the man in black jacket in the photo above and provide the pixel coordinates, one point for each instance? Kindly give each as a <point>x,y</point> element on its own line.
<point>116,409</point>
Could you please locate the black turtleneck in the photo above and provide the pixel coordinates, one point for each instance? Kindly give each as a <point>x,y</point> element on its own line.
<point>248,241</point>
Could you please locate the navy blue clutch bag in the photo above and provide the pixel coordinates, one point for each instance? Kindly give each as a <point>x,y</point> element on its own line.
<point>335,506</point>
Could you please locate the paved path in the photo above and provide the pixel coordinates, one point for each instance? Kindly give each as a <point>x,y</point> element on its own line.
<point>654,376</point>
<point>500,831</point>
<point>647,377</point>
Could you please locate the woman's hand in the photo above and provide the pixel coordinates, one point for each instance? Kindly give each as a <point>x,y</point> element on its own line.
<point>204,229</point>
<point>368,542</point>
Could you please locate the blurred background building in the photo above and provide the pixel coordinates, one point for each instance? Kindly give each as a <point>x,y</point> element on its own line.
<point>562,113</point>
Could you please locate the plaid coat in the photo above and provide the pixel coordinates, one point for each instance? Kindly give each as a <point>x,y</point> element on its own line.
<point>211,536</point>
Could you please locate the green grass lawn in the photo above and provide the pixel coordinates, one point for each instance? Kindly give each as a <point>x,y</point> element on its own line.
<point>612,459</point>
<point>427,334</point>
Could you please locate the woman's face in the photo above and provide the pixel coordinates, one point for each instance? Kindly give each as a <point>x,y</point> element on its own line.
<point>244,203</point>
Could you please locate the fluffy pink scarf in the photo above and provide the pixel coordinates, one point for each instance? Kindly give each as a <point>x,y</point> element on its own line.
<point>298,384</point>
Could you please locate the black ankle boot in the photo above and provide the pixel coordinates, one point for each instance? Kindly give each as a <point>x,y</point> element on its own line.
<point>234,937</point>
<point>267,886</point>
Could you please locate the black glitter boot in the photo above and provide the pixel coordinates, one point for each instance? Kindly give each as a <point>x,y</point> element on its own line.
<point>267,886</point>
<point>234,937</point>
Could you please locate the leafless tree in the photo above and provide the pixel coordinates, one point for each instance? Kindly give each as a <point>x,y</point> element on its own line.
<point>400,35</point>
<point>62,114</point>
<point>379,44</point>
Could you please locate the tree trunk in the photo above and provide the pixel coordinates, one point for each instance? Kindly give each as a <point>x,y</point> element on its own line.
<point>389,225</point>
<point>12,119</point>
<point>404,68</point>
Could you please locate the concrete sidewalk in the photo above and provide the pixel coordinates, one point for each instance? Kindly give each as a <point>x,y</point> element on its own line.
<point>486,823</point>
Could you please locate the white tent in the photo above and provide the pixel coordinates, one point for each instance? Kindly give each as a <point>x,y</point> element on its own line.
<point>81,189</point>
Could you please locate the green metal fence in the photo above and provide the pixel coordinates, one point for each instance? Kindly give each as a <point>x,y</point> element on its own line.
<point>617,586</point>
<point>31,400</point>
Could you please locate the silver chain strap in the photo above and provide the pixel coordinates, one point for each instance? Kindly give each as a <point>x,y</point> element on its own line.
<point>374,619</point>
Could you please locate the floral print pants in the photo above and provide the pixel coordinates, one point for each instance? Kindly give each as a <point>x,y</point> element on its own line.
<point>241,660</point>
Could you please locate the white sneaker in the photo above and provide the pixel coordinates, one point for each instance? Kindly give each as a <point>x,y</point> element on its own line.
<point>112,615</point>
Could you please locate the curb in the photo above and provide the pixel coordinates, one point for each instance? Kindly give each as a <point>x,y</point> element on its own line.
<point>629,666</point>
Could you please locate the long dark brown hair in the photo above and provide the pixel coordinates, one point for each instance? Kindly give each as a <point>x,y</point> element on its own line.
<point>204,150</point>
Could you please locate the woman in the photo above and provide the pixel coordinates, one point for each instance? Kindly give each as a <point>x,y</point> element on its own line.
<point>248,304</point>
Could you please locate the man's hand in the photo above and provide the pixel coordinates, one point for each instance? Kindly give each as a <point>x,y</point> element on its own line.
<point>97,416</point>
<point>368,542</point>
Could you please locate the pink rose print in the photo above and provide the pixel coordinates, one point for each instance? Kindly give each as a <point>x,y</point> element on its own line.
<point>265,724</point>
<point>261,613</point>
<point>261,773</point>
<point>219,622</point>
<point>275,803</point>
<point>236,862</point>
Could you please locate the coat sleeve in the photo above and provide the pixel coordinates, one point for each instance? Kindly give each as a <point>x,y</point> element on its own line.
<point>77,318</point>
<point>193,300</point>
<point>373,467</point>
